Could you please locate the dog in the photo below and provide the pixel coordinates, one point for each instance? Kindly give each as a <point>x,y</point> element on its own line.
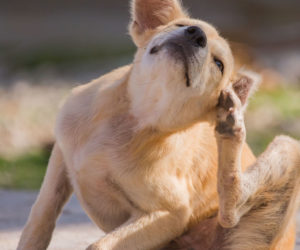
<point>155,151</point>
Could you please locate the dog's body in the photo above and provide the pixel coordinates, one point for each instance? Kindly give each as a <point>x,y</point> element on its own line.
<point>138,145</point>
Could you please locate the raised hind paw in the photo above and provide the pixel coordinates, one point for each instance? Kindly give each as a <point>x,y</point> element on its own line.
<point>230,118</point>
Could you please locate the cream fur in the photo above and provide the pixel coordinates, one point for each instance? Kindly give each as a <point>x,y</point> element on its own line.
<point>137,145</point>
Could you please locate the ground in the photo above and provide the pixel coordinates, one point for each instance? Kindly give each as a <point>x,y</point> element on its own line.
<point>74,229</point>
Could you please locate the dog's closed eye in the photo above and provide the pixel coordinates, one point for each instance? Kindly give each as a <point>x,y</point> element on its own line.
<point>154,50</point>
<point>219,64</point>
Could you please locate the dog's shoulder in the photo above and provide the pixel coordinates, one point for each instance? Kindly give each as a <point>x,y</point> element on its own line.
<point>98,88</point>
<point>89,103</point>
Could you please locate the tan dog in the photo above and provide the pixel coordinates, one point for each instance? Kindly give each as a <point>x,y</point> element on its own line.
<point>139,149</point>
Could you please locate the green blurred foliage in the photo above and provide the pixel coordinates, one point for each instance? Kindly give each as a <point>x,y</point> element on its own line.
<point>24,172</point>
<point>60,56</point>
<point>284,99</point>
<point>283,104</point>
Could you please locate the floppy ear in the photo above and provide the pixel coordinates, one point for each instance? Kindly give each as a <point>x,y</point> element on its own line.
<point>245,84</point>
<point>149,14</point>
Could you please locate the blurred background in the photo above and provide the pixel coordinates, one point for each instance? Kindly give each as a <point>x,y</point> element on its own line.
<point>47,47</point>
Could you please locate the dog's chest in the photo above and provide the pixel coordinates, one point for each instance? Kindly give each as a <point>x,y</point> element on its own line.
<point>106,176</point>
<point>143,189</point>
<point>112,183</point>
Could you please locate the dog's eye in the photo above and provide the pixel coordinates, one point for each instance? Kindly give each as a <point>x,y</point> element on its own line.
<point>180,25</point>
<point>219,64</point>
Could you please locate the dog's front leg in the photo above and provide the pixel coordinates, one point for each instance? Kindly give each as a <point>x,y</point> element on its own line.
<point>55,191</point>
<point>147,231</point>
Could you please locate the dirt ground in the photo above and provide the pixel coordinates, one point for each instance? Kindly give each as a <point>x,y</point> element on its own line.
<point>74,229</point>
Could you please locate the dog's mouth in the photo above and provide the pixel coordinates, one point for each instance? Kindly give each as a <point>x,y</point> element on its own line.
<point>179,53</point>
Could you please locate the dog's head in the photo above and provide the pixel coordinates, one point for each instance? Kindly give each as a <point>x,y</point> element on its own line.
<point>180,67</point>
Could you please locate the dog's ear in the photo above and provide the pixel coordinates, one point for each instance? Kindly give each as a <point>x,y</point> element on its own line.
<point>245,84</point>
<point>149,14</point>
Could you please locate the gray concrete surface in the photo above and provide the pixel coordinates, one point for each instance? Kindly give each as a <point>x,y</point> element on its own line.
<point>74,229</point>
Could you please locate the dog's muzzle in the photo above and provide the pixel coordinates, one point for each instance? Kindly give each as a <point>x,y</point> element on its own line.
<point>195,36</point>
<point>187,45</point>
<point>189,41</point>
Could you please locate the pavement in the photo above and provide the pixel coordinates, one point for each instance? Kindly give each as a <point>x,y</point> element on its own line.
<point>74,229</point>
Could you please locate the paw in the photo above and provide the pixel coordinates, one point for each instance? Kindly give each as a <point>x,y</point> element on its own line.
<point>228,220</point>
<point>230,118</point>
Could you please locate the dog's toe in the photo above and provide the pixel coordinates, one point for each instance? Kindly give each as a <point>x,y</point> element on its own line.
<point>229,115</point>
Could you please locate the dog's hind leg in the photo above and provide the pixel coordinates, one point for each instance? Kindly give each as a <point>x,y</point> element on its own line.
<point>258,205</point>
<point>55,191</point>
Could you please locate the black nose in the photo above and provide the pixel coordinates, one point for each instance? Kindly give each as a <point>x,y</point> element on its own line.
<point>196,36</point>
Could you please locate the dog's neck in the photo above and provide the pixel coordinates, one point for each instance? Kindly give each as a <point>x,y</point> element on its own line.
<point>143,146</point>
